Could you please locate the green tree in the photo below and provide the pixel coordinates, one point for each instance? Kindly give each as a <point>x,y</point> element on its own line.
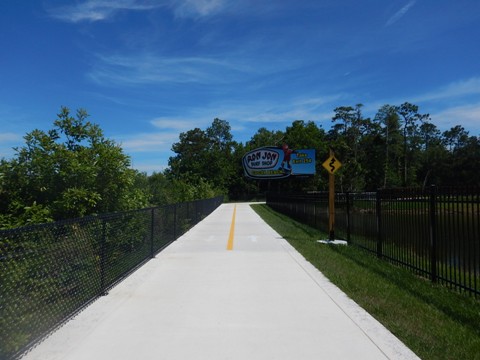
<point>307,135</point>
<point>241,187</point>
<point>159,189</point>
<point>462,159</point>
<point>264,137</point>
<point>191,154</point>
<point>204,155</point>
<point>69,171</point>
<point>466,163</point>
<point>389,122</point>
<point>455,138</point>
<point>345,137</point>
<point>411,120</point>
<point>220,154</point>
<point>433,155</point>
<point>372,155</point>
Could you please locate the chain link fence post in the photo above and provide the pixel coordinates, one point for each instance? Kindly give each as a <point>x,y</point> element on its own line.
<point>103,258</point>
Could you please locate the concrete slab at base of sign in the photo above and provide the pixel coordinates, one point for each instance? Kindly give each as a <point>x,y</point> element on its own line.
<point>333,242</point>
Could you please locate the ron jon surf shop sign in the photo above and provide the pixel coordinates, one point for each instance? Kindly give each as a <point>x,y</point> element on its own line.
<point>278,162</point>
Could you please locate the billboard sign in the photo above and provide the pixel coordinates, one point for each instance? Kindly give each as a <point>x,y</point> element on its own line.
<point>278,162</point>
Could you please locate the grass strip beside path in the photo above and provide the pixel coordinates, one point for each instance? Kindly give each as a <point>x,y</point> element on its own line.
<point>433,321</point>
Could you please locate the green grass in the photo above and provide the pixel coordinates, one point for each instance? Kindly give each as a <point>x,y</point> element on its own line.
<point>433,321</point>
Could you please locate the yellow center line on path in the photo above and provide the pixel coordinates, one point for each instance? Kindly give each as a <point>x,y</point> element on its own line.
<point>232,230</point>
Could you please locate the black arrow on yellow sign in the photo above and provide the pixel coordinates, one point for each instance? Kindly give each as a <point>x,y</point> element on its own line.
<point>332,164</point>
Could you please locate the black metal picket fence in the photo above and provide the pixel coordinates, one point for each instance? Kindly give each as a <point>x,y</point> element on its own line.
<point>49,272</point>
<point>433,231</point>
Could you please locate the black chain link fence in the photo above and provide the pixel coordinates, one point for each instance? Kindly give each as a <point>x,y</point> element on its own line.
<point>49,272</point>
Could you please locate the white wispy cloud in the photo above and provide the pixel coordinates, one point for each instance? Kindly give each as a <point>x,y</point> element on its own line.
<point>179,124</point>
<point>280,116</point>
<point>198,8</point>
<point>456,89</point>
<point>400,13</point>
<point>8,141</point>
<point>455,103</point>
<point>240,116</point>
<point>99,10</point>
<point>468,116</point>
<point>148,142</point>
<point>151,69</point>
<point>316,108</point>
<point>459,92</point>
<point>10,137</point>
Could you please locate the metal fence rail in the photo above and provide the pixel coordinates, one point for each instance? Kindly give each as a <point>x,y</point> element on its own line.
<point>433,231</point>
<point>49,272</point>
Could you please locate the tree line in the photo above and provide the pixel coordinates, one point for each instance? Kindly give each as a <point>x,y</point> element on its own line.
<point>73,170</point>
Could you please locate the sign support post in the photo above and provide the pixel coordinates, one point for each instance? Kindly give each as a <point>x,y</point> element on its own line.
<point>331,165</point>
<point>331,203</point>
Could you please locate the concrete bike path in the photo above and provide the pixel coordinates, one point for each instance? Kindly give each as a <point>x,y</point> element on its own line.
<point>230,288</point>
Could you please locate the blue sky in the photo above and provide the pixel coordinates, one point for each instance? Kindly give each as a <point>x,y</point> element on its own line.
<point>147,70</point>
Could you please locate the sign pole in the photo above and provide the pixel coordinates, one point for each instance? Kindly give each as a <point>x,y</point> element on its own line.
<point>331,203</point>
<point>332,164</point>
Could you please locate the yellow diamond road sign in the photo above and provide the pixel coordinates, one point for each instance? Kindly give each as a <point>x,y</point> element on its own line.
<point>332,164</point>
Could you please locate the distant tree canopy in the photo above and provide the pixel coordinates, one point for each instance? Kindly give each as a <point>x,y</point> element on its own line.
<point>400,146</point>
<point>205,157</point>
<point>73,170</point>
